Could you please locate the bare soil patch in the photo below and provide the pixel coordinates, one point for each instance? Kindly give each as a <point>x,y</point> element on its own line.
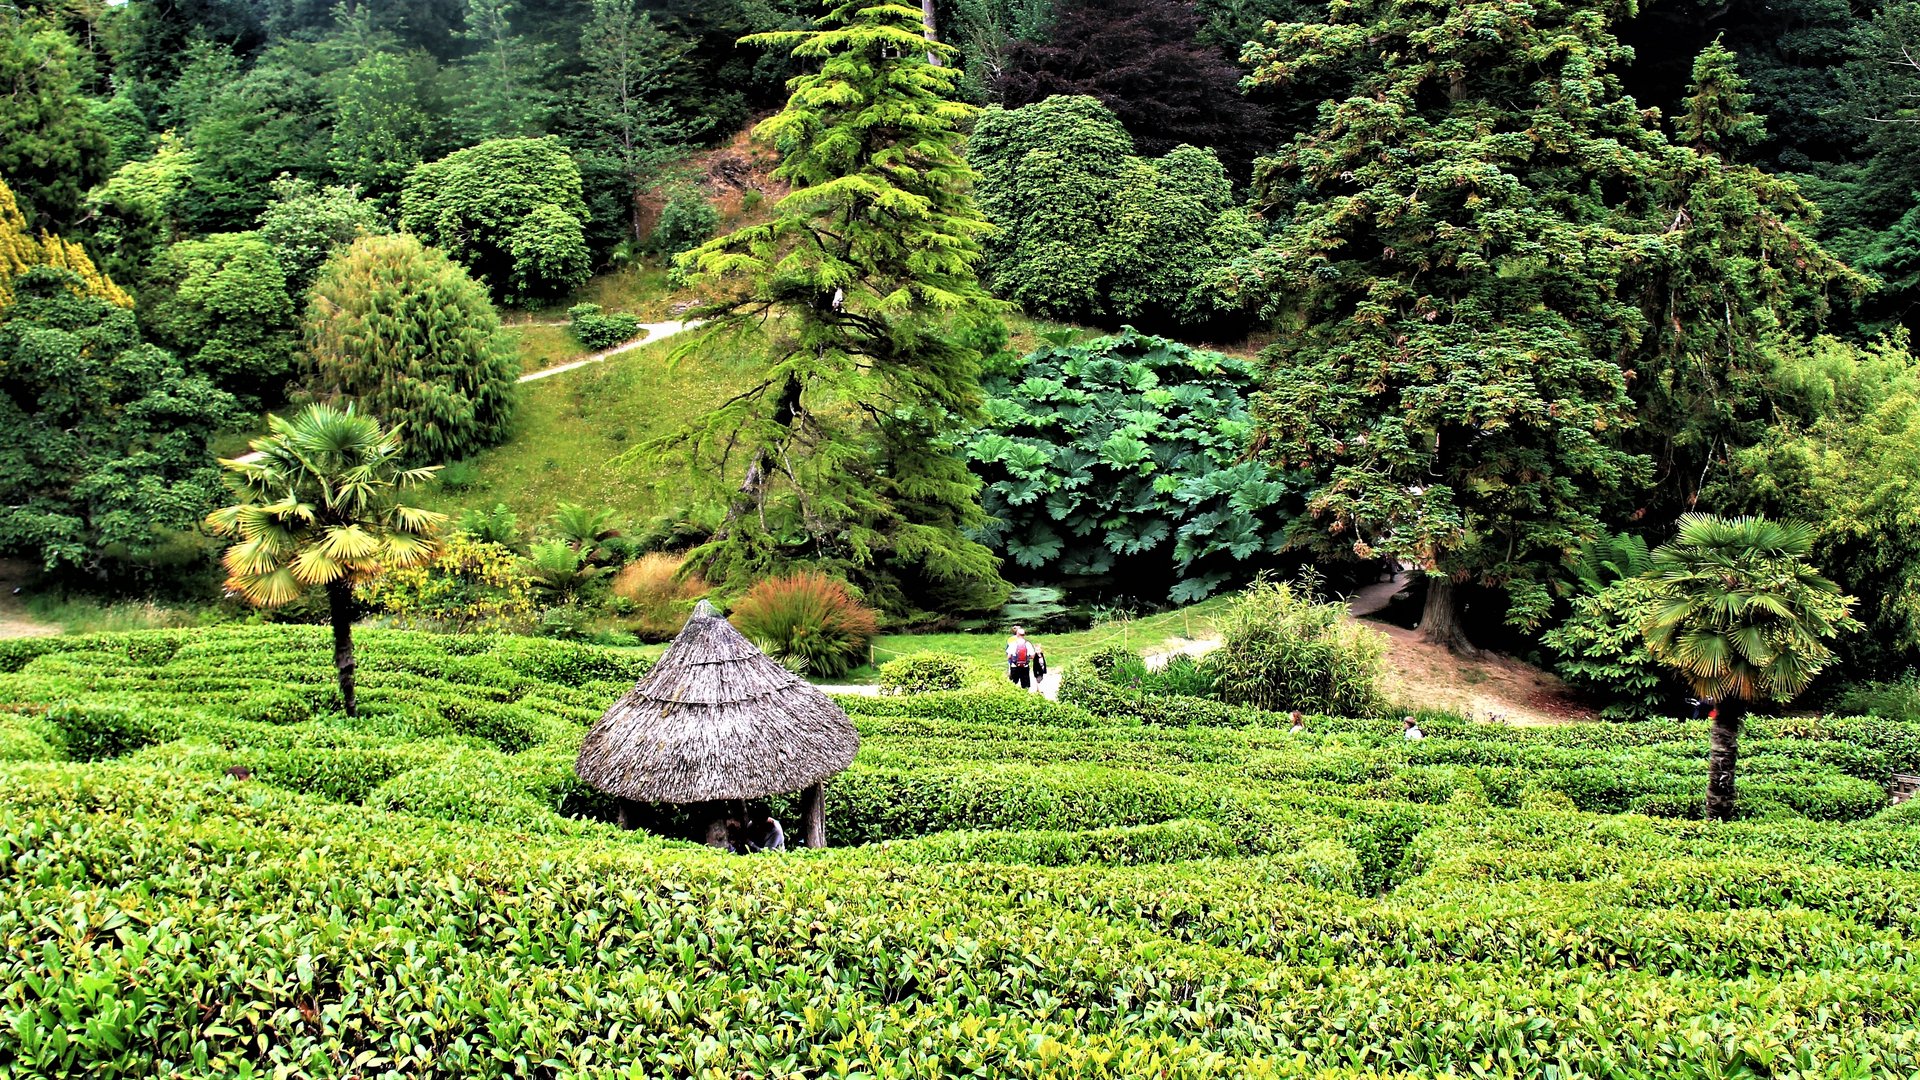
<point>1490,687</point>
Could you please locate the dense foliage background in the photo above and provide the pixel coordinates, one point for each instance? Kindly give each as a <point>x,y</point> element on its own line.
<point>1618,265</point>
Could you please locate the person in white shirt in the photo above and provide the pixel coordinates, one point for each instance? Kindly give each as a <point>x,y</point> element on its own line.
<point>1299,723</point>
<point>1412,732</point>
<point>1020,654</point>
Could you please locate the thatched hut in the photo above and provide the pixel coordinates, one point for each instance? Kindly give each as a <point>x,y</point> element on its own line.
<point>716,721</point>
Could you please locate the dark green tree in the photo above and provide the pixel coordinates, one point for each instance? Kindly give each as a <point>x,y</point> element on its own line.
<point>1736,269</point>
<point>510,210</point>
<point>1085,230</point>
<point>270,118</point>
<point>503,88</point>
<point>106,453</point>
<point>52,148</point>
<point>381,127</point>
<point>855,297</point>
<point>306,224</point>
<point>622,104</point>
<point>223,305</point>
<point>403,330</point>
<point>1451,367</point>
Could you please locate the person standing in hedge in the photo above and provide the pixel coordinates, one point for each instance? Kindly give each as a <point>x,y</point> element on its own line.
<point>1020,657</point>
<point>1299,723</point>
<point>1412,732</point>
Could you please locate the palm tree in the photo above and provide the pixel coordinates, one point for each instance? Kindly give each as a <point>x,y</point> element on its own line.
<point>316,507</point>
<point>1743,617</point>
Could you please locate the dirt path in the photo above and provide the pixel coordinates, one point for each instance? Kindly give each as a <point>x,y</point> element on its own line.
<point>1491,687</point>
<point>15,622</point>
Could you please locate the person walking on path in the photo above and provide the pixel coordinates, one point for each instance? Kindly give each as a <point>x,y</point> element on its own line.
<point>1020,657</point>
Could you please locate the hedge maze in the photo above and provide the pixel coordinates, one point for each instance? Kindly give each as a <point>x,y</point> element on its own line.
<point>1112,886</point>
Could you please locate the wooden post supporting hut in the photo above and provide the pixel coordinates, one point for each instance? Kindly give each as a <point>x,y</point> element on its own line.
<point>717,721</point>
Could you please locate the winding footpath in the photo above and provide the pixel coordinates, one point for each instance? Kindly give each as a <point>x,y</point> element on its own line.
<point>654,332</point>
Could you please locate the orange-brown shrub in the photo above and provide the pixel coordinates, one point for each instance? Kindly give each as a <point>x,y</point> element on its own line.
<point>661,599</point>
<point>808,621</point>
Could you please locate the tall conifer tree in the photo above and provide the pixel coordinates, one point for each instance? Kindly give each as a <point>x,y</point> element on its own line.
<point>858,298</point>
<point>1453,372</point>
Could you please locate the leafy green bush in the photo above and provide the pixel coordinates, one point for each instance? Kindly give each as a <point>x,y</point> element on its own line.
<point>91,732</point>
<point>686,221</point>
<point>808,621</point>
<point>598,330</point>
<point>510,210</point>
<point>1280,649</point>
<point>922,673</point>
<point>1137,441</point>
<point>25,738</point>
<point>1603,653</point>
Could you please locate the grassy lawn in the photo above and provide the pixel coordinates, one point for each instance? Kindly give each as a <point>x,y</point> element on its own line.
<point>571,426</point>
<point>545,346</point>
<point>989,649</point>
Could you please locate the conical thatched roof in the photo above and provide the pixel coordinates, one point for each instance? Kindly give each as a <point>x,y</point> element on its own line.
<point>716,719</point>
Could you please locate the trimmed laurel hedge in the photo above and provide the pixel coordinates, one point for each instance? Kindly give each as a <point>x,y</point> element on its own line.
<point>1041,889</point>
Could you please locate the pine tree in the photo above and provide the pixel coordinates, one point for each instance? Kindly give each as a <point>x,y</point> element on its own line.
<point>621,105</point>
<point>52,148</point>
<point>1735,270</point>
<point>404,330</point>
<point>504,97</point>
<point>861,290</point>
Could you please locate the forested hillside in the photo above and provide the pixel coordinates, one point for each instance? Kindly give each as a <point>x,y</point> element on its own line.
<point>1520,284</point>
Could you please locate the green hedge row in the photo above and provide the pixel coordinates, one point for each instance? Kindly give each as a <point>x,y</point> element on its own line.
<point>156,926</point>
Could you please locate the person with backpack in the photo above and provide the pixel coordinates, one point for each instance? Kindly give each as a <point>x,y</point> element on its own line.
<point>1020,658</point>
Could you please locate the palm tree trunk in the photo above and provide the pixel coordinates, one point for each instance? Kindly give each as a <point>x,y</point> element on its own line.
<point>1440,620</point>
<point>340,608</point>
<point>1723,752</point>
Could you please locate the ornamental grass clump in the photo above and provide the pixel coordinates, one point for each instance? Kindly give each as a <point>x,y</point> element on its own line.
<point>662,596</point>
<point>809,622</point>
<point>1281,649</point>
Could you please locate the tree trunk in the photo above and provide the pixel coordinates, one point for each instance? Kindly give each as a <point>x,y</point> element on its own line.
<point>1723,752</point>
<point>340,608</point>
<point>813,816</point>
<point>629,813</point>
<point>926,19</point>
<point>1440,621</point>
